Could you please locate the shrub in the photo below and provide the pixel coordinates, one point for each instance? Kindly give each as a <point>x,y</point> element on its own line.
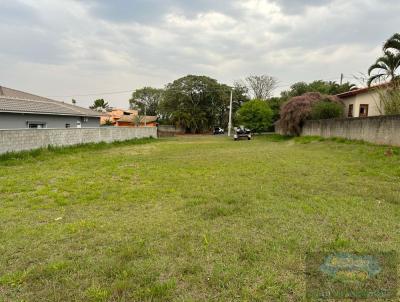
<point>390,101</point>
<point>326,110</point>
<point>298,109</point>
<point>255,115</point>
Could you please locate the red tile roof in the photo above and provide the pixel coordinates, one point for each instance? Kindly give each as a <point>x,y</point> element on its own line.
<point>361,90</point>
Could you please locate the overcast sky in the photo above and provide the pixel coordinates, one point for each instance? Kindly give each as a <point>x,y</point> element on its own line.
<point>65,49</point>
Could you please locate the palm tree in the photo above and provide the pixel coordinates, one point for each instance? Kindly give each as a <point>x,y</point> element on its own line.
<point>100,105</point>
<point>387,66</point>
<point>393,43</point>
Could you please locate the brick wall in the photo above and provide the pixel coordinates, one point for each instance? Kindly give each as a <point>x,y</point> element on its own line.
<point>378,129</point>
<point>29,139</point>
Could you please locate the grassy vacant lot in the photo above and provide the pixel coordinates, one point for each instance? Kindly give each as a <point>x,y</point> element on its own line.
<point>189,219</point>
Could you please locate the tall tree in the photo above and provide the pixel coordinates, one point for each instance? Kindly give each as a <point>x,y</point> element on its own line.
<point>385,68</point>
<point>261,87</point>
<point>196,103</point>
<point>148,97</point>
<point>239,97</point>
<point>324,87</point>
<point>100,105</point>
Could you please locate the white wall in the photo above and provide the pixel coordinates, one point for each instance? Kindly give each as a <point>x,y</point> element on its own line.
<point>371,98</point>
<point>29,139</point>
<point>377,129</point>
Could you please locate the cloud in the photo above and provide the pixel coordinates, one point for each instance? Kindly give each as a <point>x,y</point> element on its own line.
<point>150,11</point>
<point>77,47</point>
<point>298,6</point>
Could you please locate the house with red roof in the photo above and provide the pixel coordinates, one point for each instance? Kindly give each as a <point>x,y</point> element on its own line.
<point>363,102</point>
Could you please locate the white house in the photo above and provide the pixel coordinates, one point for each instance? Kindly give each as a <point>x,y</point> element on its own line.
<point>363,102</point>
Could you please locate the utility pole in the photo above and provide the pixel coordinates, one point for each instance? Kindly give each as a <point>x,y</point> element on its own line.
<point>230,115</point>
<point>341,78</point>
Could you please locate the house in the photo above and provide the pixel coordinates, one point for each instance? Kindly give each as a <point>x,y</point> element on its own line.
<point>137,121</point>
<point>127,118</point>
<point>24,110</point>
<point>114,114</point>
<point>363,102</point>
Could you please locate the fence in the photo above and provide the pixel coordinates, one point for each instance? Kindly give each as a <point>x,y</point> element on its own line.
<point>169,130</point>
<point>29,139</point>
<point>378,129</point>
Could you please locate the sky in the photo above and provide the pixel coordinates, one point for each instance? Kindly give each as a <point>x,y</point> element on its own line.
<point>91,49</point>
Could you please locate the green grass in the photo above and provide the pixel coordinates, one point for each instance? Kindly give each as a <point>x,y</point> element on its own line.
<point>189,218</point>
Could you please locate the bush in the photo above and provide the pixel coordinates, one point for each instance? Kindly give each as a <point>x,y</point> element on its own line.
<point>298,109</point>
<point>326,110</point>
<point>255,115</point>
<point>390,101</point>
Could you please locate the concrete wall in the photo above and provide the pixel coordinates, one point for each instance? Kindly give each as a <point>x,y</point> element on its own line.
<point>370,98</point>
<point>28,139</point>
<point>378,129</point>
<point>169,130</point>
<point>19,120</point>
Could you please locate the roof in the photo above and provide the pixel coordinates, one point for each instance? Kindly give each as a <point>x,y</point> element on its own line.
<point>127,118</point>
<point>16,101</point>
<point>361,91</point>
<point>149,119</point>
<point>131,119</point>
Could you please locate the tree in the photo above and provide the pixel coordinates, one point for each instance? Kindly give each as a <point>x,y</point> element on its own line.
<point>393,43</point>
<point>326,110</point>
<point>385,68</point>
<point>196,103</point>
<point>275,104</point>
<point>255,115</point>
<point>147,97</point>
<point>100,105</point>
<point>324,87</point>
<point>73,101</point>
<point>261,87</point>
<point>298,109</point>
<point>239,97</point>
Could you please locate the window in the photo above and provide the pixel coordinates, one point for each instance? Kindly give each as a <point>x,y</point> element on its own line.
<point>36,124</point>
<point>78,124</point>
<point>351,109</point>
<point>67,125</point>
<point>363,110</point>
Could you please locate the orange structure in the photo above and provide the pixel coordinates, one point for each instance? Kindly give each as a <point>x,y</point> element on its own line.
<point>137,121</point>
<point>127,118</point>
<point>115,114</point>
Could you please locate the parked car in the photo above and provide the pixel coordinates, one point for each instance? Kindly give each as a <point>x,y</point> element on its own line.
<point>241,132</point>
<point>218,130</point>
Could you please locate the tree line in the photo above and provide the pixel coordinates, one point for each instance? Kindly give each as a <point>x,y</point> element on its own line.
<point>199,103</point>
